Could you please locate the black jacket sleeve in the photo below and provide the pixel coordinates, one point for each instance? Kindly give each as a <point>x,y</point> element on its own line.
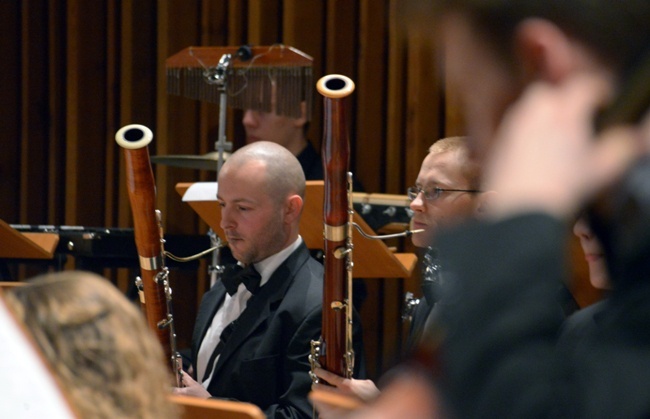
<point>501,318</point>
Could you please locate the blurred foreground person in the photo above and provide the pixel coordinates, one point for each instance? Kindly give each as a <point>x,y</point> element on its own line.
<point>535,78</point>
<point>97,343</point>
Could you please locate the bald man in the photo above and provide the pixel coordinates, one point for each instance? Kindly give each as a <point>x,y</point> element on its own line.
<point>251,340</point>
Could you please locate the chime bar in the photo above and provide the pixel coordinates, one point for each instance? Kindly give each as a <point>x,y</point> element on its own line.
<point>276,78</point>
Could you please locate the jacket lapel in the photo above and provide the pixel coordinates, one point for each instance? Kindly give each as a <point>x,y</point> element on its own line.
<point>262,305</point>
<point>212,300</point>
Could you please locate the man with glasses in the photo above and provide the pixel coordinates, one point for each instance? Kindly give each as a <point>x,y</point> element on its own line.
<point>446,189</point>
<point>445,193</point>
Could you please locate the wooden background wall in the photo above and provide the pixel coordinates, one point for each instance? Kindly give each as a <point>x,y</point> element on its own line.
<point>75,71</point>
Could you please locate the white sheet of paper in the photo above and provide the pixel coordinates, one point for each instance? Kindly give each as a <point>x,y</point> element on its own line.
<point>27,389</point>
<point>201,191</point>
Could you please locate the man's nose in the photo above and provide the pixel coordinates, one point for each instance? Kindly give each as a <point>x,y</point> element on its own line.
<point>417,204</point>
<point>250,118</point>
<point>581,229</point>
<point>226,222</point>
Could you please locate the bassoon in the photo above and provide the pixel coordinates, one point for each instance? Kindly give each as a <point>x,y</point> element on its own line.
<point>334,352</point>
<point>155,292</point>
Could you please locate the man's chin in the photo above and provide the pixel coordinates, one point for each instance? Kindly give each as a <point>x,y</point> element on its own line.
<point>237,253</point>
<point>421,240</point>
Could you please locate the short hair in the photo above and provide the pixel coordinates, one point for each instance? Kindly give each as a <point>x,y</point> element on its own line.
<point>284,174</point>
<point>469,168</point>
<point>98,343</point>
<point>618,32</point>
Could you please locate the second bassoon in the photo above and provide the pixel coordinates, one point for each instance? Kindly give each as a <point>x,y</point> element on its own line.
<point>334,352</point>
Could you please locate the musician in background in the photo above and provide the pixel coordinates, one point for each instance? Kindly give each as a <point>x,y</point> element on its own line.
<point>445,193</point>
<point>105,356</point>
<point>288,132</point>
<point>583,325</point>
<point>252,335</point>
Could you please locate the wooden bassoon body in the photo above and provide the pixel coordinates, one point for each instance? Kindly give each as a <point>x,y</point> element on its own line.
<point>336,352</point>
<point>155,290</point>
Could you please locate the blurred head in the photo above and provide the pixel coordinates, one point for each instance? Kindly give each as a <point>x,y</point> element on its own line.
<point>447,167</point>
<point>594,254</point>
<point>495,48</point>
<point>98,344</point>
<point>261,192</point>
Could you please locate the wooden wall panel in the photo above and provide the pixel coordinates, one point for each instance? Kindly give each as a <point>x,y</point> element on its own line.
<point>303,23</point>
<point>33,153</point>
<point>56,111</point>
<point>237,25</point>
<point>178,117</point>
<point>10,106</point>
<point>368,142</point>
<point>264,22</point>
<point>341,38</point>
<point>85,109</point>
<point>423,105</point>
<point>396,96</point>
<point>113,110</point>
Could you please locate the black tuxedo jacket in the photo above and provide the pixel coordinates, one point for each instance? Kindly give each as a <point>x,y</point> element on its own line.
<point>265,361</point>
<point>501,318</point>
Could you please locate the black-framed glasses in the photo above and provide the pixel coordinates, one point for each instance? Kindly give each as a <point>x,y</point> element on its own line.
<point>433,194</point>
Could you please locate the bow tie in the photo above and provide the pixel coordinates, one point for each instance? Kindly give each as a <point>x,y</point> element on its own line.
<point>233,275</point>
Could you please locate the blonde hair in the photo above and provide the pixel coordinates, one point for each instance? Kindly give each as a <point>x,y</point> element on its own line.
<point>98,343</point>
<point>469,169</point>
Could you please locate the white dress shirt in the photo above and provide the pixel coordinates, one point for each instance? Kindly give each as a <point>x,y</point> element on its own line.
<point>232,308</point>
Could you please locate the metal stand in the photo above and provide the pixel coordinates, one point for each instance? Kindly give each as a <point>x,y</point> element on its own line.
<point>215,268</point>
<point>219,77</point>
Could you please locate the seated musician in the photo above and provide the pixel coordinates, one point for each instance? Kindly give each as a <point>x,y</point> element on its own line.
<point>291,133</point>
<point>252,336</point>
<point>444,193</point>
<point>583,325</point>
<point>106,358</point>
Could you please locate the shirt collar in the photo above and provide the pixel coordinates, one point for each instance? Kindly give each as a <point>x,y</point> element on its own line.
<point>267,266</point>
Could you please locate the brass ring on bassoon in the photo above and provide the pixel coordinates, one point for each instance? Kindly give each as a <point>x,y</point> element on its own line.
<point>334,233</point>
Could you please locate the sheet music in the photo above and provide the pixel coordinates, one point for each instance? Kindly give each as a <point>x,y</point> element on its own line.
<point>27,389</point>
<point>201,191</point>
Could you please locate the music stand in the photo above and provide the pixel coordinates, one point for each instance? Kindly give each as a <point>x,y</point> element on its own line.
<point>26,245</point>
<point>372,258</point>
<point>216,409</point>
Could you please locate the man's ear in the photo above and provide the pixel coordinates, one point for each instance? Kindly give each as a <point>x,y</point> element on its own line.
<point>300,122</point>
<point>545,51</point>
<point>293,208</point>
